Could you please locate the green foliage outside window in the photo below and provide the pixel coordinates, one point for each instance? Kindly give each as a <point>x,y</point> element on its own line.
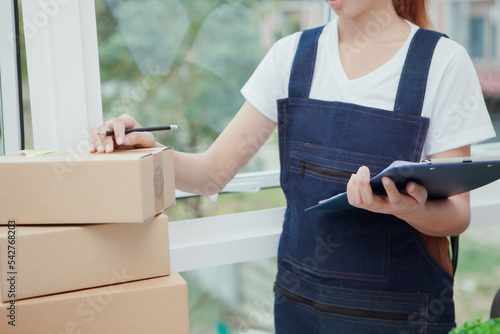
<point>490,326</point>
<point>177,62</point>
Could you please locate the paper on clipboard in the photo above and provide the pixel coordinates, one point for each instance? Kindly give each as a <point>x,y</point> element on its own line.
<point>441,177</point>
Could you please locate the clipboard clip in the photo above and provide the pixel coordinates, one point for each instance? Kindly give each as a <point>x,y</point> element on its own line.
<point>467,159</point>
<point>449,160</point>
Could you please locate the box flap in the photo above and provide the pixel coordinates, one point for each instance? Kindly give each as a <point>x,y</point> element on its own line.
<point>74,156</point>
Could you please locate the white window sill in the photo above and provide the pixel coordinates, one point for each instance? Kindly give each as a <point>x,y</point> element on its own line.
<point>221,240</point>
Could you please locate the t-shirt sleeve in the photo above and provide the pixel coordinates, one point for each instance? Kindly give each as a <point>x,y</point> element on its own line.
<point>459,113</point>
<point>269,82</point>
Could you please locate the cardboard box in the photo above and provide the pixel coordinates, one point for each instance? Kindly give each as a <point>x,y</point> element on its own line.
<point>77,187</point>
<point>158,305</point>
<point>41,260</point>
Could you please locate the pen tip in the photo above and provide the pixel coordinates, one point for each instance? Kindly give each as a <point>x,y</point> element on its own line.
<point>174,127</point>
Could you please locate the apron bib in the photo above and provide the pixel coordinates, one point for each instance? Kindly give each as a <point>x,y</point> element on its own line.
<point>353,271</point>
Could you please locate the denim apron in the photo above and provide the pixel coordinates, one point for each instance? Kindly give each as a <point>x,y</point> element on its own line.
<point>353,271</point>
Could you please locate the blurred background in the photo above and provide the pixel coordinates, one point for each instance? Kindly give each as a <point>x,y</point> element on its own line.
<point>184,62</point>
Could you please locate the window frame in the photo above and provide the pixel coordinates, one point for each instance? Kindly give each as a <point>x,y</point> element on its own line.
<point>10,111</point>
<point>63,68</point>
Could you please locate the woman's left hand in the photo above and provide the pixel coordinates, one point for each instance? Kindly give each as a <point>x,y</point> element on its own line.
<point>399,203</point>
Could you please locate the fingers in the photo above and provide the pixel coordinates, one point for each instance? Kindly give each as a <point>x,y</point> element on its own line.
<point>97,143</point>
<point>123,122</point>
<point>359,191</point>
<point>394,197</point>
<point>414,192</point>
<point>119,128</point>
<point>108,141</point>
<point>94,140</point>
<point>101,143</point>
<point>365,188</point>
<point>418,192</point>
<point>360,194</point>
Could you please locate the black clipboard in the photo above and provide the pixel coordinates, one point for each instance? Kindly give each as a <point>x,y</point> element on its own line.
<point>441,177</point>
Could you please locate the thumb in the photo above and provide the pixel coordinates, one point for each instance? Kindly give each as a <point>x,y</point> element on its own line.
<point>418,192</point>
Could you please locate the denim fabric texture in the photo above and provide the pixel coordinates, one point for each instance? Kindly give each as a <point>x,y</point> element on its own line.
<point>353,271</point>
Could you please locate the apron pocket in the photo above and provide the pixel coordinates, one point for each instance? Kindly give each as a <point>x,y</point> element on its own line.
<point>323,171</point>
<point>352,244</point>
<point>340,310</point>
<point>329,163</point>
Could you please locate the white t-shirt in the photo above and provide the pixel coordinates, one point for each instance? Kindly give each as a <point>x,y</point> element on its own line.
<point>453,99</point>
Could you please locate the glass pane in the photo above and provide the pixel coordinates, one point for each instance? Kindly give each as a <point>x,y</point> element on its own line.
<point>28,137</point>
<point>183,62</point>
<point>476,280</point>
<point>196,207</point>
<point>480,38</point>
<point>476,37</point>
<point>496,24</point>
<point>26,107</point>
<point>234,299</point>
<point>28,129</point>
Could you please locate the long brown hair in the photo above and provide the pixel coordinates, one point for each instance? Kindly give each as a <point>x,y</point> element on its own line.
<point>414,11</point>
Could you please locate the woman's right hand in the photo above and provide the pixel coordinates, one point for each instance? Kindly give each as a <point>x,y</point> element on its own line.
<point>106,144</point>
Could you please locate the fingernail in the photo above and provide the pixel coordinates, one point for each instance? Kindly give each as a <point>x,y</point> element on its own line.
<point>126,140</point>
<point>100,148</point>
<point>108,148</point>
<point>385,181</point>
<point>411,188</point>
<point>119,140</point>
<point>91,148</point>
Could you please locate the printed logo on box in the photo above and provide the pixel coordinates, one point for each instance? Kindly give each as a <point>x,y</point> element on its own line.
<point>159,182</point>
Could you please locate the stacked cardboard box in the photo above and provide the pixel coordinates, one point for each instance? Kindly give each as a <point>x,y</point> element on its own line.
<point>67,187</point>
<point>84,245</point>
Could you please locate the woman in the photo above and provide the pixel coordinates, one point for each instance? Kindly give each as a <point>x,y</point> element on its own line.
<point>367,89</point>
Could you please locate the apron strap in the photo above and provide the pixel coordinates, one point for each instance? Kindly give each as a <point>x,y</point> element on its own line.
<point>303,63</point>
<point>411,91</point>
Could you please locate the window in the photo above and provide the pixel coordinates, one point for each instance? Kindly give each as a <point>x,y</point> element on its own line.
<point>476,37</point>
<point>475,25</point>
<point>11,121</point>
<point>494,45</point>
<point>186,66</point>
<point>235,298</point>
<point>24,87</point>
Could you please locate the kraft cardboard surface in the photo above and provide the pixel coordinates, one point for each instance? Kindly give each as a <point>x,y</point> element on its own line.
<point>77,187</point>
<point>153,306</point>
<point>41,260</point>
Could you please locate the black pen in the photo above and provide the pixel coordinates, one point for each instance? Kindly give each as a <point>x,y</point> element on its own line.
<point>153,128</point>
